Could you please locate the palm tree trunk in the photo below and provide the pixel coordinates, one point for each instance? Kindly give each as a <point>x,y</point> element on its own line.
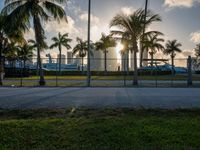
<point>60,59</point>
<point>38,37</point>
<point>152,60</point>
<point>173,71</point>
<point>41,73</point>
<point>135,78</point>
<point>105,62</point>
<point>82,64</point>
<point>152,63</point>
<point>127,63</point>
<point>24,64</point>
<point>141,57</point>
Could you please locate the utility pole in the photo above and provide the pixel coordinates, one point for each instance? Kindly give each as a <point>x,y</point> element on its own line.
<point>142,49</point>
<point>88,53</point>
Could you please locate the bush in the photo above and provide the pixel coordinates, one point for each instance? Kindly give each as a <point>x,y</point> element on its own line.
<point>17,72</point>
<point>100,73</point>
<point>154,72</point>
<point>197,72</point>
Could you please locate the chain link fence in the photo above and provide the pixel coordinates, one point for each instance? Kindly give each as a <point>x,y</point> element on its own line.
<point>110,72</point>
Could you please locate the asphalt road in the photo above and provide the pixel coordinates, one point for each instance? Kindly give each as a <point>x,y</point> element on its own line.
<point>99,97</point>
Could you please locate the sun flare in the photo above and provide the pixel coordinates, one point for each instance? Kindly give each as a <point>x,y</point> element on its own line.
<point>119,47</point>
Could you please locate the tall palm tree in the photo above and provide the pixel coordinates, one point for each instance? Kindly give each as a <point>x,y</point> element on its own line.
<point>25,52</point>
<point>133,25</point>
<point>82,49</point>
<point>39,11</point>
<point>61,40</point>
<point>103,44</point>
<point>153,44</point>
<point>9,31</point>
<point>171,48</point>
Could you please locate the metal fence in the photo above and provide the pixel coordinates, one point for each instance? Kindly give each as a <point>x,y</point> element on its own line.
<point>72,72</point>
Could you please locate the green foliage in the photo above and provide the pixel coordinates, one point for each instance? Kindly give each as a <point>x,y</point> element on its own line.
<point>82,48</point>
<point>100,129</point>
<point>14,72</point>
<point>99,73</point>
<point>197,72</point>
<point>61,40</point>
<point>153,43</point>
<point>131,27</point>
<point>105,42</point>
<point>172,47</point>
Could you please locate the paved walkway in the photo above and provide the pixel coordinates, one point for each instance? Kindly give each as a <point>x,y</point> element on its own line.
<point>99,97</point>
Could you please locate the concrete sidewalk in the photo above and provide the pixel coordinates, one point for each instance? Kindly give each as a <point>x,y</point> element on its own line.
<point>99,97</point>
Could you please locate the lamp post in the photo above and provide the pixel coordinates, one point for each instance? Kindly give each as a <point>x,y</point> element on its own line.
<point>88,53</point>
<point>142,49</point>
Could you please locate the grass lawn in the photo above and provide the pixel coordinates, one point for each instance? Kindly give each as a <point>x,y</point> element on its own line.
<point>87,129</point>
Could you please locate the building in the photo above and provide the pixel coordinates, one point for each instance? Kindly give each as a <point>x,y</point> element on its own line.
<point>69,58</point>
<point>125,62</point>
<point>63,58</point>
<point>97,61</point>
<point>113,62</point>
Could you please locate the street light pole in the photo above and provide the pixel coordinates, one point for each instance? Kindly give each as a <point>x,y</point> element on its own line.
<point>88,53</point>
<point>142,49</point>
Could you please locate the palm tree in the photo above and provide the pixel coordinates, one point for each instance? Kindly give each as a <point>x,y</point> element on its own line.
<point>133,26</point>
<point>144,30</point>
<point>9,31</point>
<point>25,52</point>
<point>152,44</point>
<point>39,11</point>
<point>11,53</point>
<point>82,49</point>
<point>103,44</point>
<point>171,48</point>
<point>61,40</point>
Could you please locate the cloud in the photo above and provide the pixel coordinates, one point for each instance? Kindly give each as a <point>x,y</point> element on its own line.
<point>97,27</point>
<point>195,37</point>
<point>180,3</point>
<point>94,19</point>
<point>127,10</point>
<point>62,26</point>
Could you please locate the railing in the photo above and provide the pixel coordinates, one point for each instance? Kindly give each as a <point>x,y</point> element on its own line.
<point>117,73</point>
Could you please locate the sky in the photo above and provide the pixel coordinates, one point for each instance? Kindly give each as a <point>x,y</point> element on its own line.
<point>180,20</point>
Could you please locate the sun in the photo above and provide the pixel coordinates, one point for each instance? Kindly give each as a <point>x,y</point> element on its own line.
<point>119,47</point>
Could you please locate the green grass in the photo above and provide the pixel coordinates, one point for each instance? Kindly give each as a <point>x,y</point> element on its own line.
<point>87,129</point>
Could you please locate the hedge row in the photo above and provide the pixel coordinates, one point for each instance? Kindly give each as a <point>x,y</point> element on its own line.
<point>15,72</point>
<point>197,72</point>
<point>26,73</point>
<point>101,73</point>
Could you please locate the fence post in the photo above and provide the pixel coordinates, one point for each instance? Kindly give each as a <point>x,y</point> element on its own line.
<point>1,69</point>
<point>189,66</point>
<point>21,74</point>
